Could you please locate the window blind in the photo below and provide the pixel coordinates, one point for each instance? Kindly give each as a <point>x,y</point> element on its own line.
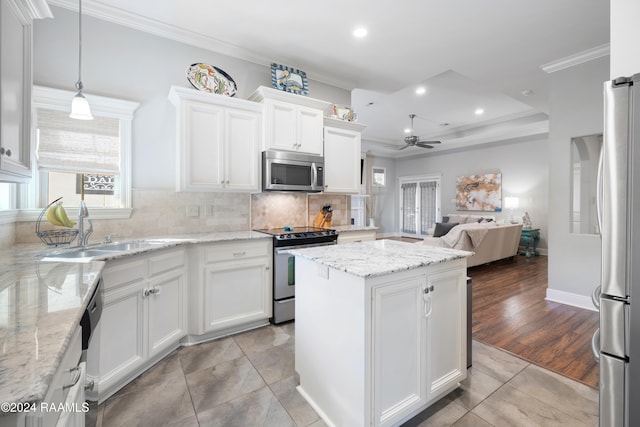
<point>79,146</point>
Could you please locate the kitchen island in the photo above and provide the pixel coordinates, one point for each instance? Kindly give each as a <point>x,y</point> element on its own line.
<point>380,329</point>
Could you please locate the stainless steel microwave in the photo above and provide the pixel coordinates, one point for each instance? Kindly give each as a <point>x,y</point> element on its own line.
<point>287,171</point>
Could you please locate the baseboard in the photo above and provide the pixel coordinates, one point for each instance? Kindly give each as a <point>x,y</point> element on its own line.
<point>568,298</point>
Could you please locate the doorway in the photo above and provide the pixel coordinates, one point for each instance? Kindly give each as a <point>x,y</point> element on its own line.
<point>419,204</point>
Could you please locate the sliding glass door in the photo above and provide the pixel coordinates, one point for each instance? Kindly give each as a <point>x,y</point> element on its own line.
<point>419,205</point>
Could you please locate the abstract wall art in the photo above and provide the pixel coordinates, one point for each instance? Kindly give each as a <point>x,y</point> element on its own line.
<point>479,192</point>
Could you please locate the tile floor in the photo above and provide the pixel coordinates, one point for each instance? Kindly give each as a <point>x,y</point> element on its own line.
<point>249,380</point>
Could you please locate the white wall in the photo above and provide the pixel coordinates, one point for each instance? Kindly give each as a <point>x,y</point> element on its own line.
<point>625,38</point>
<point>576,110</point>
<point>124,63</point>
<point>522,162</point>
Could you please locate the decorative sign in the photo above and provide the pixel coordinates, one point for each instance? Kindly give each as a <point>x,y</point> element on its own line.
<point>479,192</point>
<point>96,184</point>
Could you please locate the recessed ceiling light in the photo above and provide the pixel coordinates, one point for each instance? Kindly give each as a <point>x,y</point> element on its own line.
<point>479,111</point>
<point>407,130</point>
<point>528,92</point>
<point>421,90</point>
<point>360,32</point>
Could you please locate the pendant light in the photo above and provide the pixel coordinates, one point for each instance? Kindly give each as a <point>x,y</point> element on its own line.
<point>79,106</point>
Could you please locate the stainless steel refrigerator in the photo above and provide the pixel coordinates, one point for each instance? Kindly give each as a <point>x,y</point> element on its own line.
<point>618,344</point>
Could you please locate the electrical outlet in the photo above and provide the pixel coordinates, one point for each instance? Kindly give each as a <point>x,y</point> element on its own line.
<point>193,211</point>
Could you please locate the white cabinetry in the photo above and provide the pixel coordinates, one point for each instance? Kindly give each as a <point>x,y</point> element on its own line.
<point>232,286</point>
<point>342,142</point>
<point>218,142</point>
<point>15,86</point>
<point>143,317</point>
<point>356,236</point>
<point>419,365</point>
<point>392,346</point>
<point>291,122</point>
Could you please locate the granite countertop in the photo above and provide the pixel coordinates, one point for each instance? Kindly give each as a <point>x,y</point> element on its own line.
<point>41,304</point>
<point>42,300</point>
<point>380,257</point>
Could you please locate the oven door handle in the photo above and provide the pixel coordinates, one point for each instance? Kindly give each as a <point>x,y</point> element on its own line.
<point>280,251</point>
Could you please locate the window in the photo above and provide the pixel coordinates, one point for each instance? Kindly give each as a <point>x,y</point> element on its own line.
<point>419,204</point>
<point>379,177</point>
<point>72,155</point>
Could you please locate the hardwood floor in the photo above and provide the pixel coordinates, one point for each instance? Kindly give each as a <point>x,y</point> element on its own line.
<point>510,312</point>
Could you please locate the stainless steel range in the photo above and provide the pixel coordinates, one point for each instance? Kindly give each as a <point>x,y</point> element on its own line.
<point>284,268</point>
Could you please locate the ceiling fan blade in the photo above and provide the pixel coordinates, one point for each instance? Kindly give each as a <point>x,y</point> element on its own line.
<point>406,146</point>
<point>423,144</point>
<point>429,142</point>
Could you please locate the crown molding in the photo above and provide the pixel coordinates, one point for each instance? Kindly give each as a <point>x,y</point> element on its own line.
<point>576,59</point>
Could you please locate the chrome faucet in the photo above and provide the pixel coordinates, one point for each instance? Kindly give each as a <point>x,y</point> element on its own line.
<point>83,238</point>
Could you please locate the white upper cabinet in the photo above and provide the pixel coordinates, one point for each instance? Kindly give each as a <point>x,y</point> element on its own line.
<point>218,142</point>
<point>342,142</point>
<point>15,86</point>
<point>291,122</point>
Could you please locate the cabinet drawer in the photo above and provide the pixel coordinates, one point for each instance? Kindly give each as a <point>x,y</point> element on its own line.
<point>122,273</point>
<point>166,261</point>
<point>235,250</point>
<point>356,236</point>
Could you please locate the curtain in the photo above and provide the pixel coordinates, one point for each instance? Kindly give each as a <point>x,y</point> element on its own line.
<point>77,146</point>
<point>409,207</point>
<point>428,191</point>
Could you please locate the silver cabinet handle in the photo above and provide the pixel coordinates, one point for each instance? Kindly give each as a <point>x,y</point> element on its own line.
<point>1,151</point>
<point>595,345</point>
<point>76,377</point>
<point>145,292</point>
<point>266,267</point>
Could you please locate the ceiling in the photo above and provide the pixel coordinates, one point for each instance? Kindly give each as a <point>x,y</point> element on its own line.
<point>468,54</point>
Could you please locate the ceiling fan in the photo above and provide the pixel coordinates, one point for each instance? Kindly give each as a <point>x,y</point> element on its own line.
<point>414,141</point>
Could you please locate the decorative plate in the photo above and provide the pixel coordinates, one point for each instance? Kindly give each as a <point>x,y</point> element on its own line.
<point>211,79</point>
<point>289,79</point>
<point>343,112</point>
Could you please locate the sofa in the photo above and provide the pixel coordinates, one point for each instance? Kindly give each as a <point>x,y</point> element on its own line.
<point>489,241</point>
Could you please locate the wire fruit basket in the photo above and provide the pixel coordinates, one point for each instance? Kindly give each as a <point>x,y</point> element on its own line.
<point>55,237</point>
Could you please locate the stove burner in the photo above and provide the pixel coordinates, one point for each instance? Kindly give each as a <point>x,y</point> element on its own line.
<point>295,234</point>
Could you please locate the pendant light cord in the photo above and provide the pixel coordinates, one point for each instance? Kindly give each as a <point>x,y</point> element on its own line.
<point>79,85</point>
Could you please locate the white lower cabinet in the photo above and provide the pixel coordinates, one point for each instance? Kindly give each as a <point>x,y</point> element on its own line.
<point>391,347</point>
<point>143,317</point>
<point>421,364</point>
<point>232,286</point>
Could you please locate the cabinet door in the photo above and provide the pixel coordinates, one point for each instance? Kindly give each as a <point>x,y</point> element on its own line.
<point>280,125</point>
<point>121,336</point>
<point>15,87</point>
<point>242,139</point>
<point>309,131</point>
<point>341,160</point>
<point>201,147</point>
<point>75,399</point>
<point>446,331</point>
<point>399,358</point>
<point>236,293</point>
<point>167,321</point>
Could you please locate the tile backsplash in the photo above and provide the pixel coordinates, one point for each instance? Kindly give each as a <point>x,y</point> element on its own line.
<point>164,212</point>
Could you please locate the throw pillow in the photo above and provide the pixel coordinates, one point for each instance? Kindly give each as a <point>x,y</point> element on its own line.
<point>460,219</point>
<point>443,228</point>
<point>445,219</point>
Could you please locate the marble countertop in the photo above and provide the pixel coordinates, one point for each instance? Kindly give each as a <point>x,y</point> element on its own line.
<point>41,303</point>
<point>380,257</point>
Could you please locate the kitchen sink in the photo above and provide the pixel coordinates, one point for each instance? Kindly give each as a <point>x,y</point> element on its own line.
<point>128,246</point>
<point>84,255</point>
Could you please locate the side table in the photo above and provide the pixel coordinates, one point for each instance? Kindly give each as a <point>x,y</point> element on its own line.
<point>530,237</point>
